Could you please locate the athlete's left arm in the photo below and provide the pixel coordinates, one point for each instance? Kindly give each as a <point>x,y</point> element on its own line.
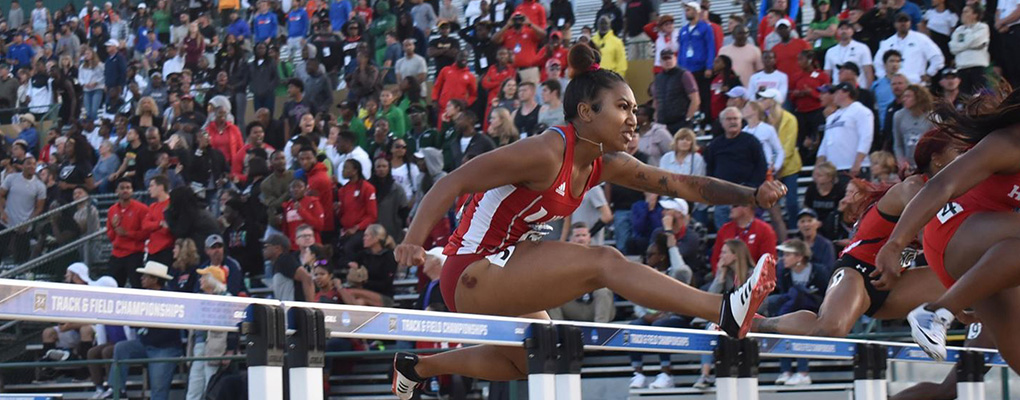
<point>623,169</point>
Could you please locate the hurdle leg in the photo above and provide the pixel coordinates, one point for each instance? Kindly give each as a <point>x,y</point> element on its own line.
<point>879,364</point>
<point>727,352</point>
<point>863,373</point>
<point>265,334</point>
<point>970,376</point>
<point>747,370</point>
<point>306,353</point>
<point>568,365</point>
<point>541,347</point>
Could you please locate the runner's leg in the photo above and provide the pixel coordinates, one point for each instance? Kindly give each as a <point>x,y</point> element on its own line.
<point>845,301</point>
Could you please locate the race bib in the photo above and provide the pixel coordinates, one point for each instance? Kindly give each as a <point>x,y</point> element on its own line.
<point>690,52</point>
<point>502,257</point>
<point>974,331</point>
<point>949,211</point>
<point>483,62</point>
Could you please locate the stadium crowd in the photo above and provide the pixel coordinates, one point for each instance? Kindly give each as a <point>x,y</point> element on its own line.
<point>287,144</point>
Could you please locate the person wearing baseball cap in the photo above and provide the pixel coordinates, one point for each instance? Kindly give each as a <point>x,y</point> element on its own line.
<point>950,81</point>
<point>290,282</point>
<point>115,67</point>
<point>668,38</point>
<point>696,52</point>
<point>676,93</point>
<point>215,251</point>
<point>849,132</point>
<point>922,58</point>
<point>822,250</point>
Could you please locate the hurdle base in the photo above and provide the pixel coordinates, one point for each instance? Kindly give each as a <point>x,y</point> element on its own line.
<point>747,388</point>
<point>305,383</point>
<point>541,386</point>
<point>266,383</point>
<point>726,389</point>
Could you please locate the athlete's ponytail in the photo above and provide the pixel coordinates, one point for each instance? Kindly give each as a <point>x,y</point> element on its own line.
<point>588,79</point>
<point>986,112</point>
<point>933,142</point>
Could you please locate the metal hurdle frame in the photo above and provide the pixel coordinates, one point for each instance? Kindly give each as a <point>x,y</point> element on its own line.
<point>291,336</point>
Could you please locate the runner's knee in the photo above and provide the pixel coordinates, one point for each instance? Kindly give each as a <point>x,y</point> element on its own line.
<point>831,327</point>
<point>609,261</point>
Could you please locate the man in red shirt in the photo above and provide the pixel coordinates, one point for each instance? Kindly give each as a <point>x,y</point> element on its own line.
<point>807,103</point>
<point>124,228</point>
<point>554,50</point>
<point>788,49</point>
<point>743,225</point>
<point>358,208</point>
<point>523,38</point>
<point>301,210</point>
<point>455,82</point>
<point>493,80</point>
<point>161,241</point>
<point>320,186</point>
<point>534,11</point>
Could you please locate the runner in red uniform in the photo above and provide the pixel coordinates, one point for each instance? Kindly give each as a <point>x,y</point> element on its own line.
<point>851,292</point>
<point>493,268</point>
<point>974,236</point>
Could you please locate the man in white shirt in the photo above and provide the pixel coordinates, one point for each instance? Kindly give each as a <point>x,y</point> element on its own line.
<point>922,58</point>
<point>669,38</point>
<point>412,64</point>
<point>346,148</point>
<point>848,133</point>
<point>849,50</point>
<point>768,78</point>
<point>174,61</point>
<point>1007,23</point>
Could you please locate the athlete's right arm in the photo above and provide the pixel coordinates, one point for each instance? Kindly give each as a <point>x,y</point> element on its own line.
<point>995,154</point>
<point>527,161</point>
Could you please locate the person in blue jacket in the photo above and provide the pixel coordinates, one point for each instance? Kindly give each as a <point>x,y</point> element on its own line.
<point>339,13</point>
<point>238,27</point>
<point>645,217</point>
<point>696,51</point>
<point>297,26</point>
<point>20,53</point>
<point>265,24</point>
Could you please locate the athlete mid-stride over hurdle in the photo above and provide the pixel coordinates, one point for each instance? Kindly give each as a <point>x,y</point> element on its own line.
<point>495,267</point>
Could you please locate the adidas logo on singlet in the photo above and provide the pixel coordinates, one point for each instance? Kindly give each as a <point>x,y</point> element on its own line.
<point>562,190</point>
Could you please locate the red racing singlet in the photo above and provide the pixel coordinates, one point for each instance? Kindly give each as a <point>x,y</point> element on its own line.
<point>503,216</point>
<point>997,193</point>
<point>873,231</point>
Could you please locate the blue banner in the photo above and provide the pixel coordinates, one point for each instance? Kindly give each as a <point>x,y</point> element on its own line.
<point>806,347</point>
<point>642,338</point>
<point>384,323</point>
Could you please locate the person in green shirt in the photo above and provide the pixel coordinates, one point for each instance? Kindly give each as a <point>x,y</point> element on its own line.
<point>421,135</point>
<point>161,17</point>
<point>410,88</point>
<point>349,120</point>
<point>382,22</point>
<point>392,113</point>
<point>821,33</point>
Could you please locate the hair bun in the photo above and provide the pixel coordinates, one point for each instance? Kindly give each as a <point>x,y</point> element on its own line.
<point>581,58</point>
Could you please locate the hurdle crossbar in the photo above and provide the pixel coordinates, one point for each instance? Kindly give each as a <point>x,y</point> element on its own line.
<point>58,302</point>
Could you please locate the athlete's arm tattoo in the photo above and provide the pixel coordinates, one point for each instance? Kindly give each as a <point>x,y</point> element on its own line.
<point>628,172</point>
<point>768,325</point>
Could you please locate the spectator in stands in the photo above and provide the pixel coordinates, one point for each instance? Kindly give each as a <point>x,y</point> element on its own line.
<point>411,64</point>
<point>276,188</point>
<point>686,238</point>
<point>75,170</point>
<point>290,281</point>
<point>160,242</point>
<point>822,251</point>
<point>27,132</point>
<point>746,57</point>
<point>910,123</point>
<point>526,115</point>
<point>757,234</point>
<point>22,197</point>
<point>391,199</point>
<point>848,73</point>
<point>357,205</point>
<point>768,78</point>
<point>431,298</point>
<point>455,82</point>
<point>697,51</point>
<point>898,83</point>
<point>346,148</point>
<point>734,156</point>
<point>444,49</point>
<point>151,342</point>
<point>969,46</point>
<point>86,216</point>
<point>884,169</point>
<point>949,83</point>
<point>849,50</point>
<point>187,218</point>
<point>848,133</point>
<point>611,10</point>
<point>295,107</point>
<point>465,144</point>
<point>788,48</point>
<point>645,216</point>
<point>801,286</point>
<point>242,235</point>
<point>208,343</point>
<point>302,209</point>
<point>922,58</point>
<point>666,37</point>
<point>404,170</point>
<point>614,56</point>
<point>62,341</point>
<point>216,258</point>
<point>676,94</point>
<point>165,168</point>
<point>807,106</point>
<point>730,269</point>
<point>321,186</point>
<point>91,78</point>
<point>593,211</point>
<point>825,191</point>
<point>523,36</point>
<point>394,114</point>
<point>596,306</point>
<point>265,23</point>
<point>821,32</point>
<point>373,269</point>
<point>754,115</point>
<point>124,228</point>
<point>723,79</point>
<point>551,113</point>
<point>662,255</point>
<point>107,336</point>
<point>883,88</point>
<point>264,77</point>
